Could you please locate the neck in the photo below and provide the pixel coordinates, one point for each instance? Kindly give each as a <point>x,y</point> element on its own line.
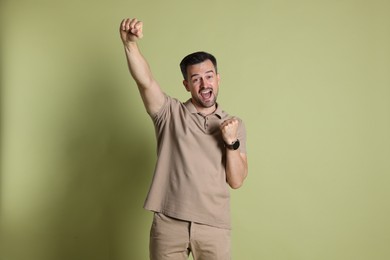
<point>204,110</point>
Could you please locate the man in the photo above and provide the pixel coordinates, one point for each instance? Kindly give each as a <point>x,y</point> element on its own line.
<point>201,151</point>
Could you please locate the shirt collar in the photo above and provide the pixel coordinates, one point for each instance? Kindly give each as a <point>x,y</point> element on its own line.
<point>188,104</point>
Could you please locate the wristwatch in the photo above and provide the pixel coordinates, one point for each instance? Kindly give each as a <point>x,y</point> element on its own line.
<point>233,146</point>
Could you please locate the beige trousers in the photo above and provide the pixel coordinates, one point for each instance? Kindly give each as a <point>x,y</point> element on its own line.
<point>174,239</point>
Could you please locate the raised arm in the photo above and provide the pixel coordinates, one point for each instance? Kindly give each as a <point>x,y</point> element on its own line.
<point>131,30</point>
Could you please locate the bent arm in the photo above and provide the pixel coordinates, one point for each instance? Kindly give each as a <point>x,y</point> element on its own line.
<point>236,162</point>
<point>236,168</point>
<point>151,93</point>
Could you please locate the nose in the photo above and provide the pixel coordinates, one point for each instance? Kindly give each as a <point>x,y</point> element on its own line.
<point>203,81</point>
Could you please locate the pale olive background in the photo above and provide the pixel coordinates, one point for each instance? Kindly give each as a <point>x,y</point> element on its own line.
<point>311,79</point>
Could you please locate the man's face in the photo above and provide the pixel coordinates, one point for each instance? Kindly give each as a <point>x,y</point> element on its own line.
<point>203,83</point>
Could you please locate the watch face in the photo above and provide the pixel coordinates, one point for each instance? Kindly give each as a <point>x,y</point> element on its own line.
<point>236,145</point>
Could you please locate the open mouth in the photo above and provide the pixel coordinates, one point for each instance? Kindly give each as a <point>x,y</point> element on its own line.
<point>206,93</point>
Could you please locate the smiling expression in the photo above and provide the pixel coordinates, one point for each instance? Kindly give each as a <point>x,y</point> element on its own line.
<point>203,84</point>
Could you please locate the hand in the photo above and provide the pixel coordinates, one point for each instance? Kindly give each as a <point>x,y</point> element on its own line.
<point>229,129</point>
<point>131,30</point>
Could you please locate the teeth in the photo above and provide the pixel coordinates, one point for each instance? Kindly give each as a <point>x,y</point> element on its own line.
<point>206,93</point>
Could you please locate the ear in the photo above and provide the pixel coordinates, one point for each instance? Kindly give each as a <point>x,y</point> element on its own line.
<point>218,78</point>
<point>185,83</point>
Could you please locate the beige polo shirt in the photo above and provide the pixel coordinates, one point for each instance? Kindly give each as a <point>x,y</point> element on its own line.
<point>189,181</point>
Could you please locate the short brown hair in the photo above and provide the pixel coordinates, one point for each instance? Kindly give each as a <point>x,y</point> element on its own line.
<point>195,58</point>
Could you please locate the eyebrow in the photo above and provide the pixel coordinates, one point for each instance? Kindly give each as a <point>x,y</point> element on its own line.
<point>212,71</point>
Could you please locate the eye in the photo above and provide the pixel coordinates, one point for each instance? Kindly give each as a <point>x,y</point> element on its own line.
<point>195,80</point>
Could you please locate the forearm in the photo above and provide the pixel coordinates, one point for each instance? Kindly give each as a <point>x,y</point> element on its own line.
<point>138,66</point>
<point>236,168</point>
<point>151,93</point>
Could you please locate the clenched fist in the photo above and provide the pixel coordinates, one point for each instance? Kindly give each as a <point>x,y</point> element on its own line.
<point>130,30</point>
<point>229,129</point>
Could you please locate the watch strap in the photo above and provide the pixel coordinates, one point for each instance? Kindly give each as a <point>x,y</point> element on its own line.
<point>233,146</point>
